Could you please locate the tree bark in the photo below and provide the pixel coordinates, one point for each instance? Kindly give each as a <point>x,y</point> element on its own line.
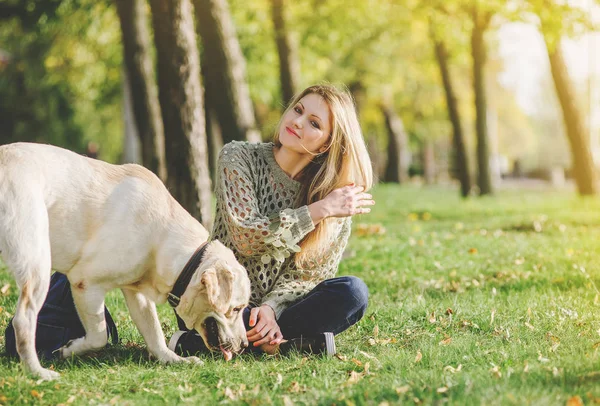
<point>461,161</point>
<point>480,23</point>
<point>144,95</point>
<point>180,95</point>
<point>398,154</point>
<point>289,70</point>
<point>428,157</point>
<point>225,72</point>
<point>583,164</point>
<point>131,140</point>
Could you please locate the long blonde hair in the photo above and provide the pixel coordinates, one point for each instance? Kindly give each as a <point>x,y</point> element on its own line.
<point>345,161</point>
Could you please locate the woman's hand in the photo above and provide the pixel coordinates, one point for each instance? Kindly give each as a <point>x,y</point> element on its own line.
<point>343,202</point>
<point>265,328</point>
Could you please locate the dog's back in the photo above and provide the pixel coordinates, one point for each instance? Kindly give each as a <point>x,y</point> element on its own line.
<point>50,190</point>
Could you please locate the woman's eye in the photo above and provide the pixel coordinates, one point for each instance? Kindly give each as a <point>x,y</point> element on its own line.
<point>298,110</point>
<point>315,124</point>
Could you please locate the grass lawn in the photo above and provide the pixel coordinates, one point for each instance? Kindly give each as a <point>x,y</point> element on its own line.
<point>484,301</point>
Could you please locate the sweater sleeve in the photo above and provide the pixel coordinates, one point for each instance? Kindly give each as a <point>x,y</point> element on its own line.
<point>293,283</point>
<point>252,233</point>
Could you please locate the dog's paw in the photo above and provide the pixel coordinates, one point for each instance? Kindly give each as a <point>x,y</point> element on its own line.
<point>193,360</point>
<point>46,374</point>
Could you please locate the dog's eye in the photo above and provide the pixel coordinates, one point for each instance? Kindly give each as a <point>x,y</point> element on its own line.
<point>237,309</point>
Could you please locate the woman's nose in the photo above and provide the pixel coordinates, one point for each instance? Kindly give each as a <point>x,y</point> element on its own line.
<point>297,123</point>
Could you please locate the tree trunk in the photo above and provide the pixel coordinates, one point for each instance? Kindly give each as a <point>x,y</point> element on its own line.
<point>289,70</point>
<point>461,161</point>
<point>398,154</point>
<point>131,143</point>
<point>225,72</point>
<point>180,95</point>
<point>138,61</point>
<point>583,165</point>
<point>478,51</point>
<point>428,157</point>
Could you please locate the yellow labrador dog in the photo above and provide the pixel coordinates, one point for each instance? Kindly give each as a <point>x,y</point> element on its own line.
<point>112,226</point>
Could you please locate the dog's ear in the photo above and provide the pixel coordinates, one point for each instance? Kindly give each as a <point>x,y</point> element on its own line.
<point>211,283</point>
<point>226,286</point>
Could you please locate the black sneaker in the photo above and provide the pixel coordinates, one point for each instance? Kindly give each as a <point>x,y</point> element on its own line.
<point>323,343</point>
<point>186,343</point>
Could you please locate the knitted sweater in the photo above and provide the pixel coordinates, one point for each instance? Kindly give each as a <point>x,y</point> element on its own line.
<point>256,217</point>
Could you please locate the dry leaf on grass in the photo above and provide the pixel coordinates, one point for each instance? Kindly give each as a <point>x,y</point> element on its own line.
<point>4,290</point>
<point>443,389</point>
<point>419,356</point>
<point>446,341</point>
<point>495,371</point>
<point>575,401</point>
<point>402,389</point>
<point>341,357</point>
<point>354,377</point>
<point>451,369</point>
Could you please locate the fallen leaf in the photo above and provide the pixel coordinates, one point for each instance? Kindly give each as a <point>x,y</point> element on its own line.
<point>495,371</point>
<point>341,357</point>
<point>449,311</point>
<point>432,318</point>
<point>71,399</point>
<point>36,394</point>
<point>287,401</point>
<point>376,331</point>
<point>357,362</point>
<point>229,393</point>
<point>443,389</point>
<point>402,389</point>
<point>575,401</point>
<point>419,356</point>
<point>473,251</point>
<point>450,368</point>
<point>4,289</point>
<point>372,342</point>
<point>529,326</point>
<point>492,316</point>
<point>354,377</point>
<point>294,387</point>
<point>446,341</point>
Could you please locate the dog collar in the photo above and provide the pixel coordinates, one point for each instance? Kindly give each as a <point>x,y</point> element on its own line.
<point>185,276</point>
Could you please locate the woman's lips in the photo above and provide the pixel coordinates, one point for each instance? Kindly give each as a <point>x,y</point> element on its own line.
<point>289,130</point>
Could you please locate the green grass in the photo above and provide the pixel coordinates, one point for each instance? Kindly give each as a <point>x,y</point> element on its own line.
<point>498,295</point>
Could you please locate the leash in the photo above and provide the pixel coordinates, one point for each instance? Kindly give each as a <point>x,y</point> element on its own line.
<point>185,276</point>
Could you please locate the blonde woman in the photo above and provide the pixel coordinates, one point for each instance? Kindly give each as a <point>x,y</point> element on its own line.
<point>285,208</point>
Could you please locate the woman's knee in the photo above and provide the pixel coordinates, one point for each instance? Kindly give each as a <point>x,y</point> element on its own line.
<point>355,288</point>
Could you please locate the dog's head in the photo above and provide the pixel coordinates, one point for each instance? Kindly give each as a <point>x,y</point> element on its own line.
<point>214,301</point>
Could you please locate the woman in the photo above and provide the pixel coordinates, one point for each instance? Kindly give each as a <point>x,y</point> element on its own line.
<point>285,210</point>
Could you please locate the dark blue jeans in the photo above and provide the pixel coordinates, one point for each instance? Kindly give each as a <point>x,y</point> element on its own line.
<point>333,305</point>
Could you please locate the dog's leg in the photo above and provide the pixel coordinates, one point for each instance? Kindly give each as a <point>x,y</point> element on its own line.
<point>143,313</point>
<point>25,249</point>
<point>33,293</point>
<point>89,302</point>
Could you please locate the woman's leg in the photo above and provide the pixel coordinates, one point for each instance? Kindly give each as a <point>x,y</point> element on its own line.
<point>332,306</point>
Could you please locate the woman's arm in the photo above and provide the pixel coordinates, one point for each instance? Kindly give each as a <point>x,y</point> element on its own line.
<point>293,283</point>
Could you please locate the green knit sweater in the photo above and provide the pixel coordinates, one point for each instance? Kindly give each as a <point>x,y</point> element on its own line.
<point>256,218</point>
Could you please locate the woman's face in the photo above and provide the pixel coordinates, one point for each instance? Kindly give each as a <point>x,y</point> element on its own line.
<point>306,126</point>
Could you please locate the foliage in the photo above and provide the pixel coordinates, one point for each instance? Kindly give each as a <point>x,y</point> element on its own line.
<point>488,301</point>
<point>62,85</point>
